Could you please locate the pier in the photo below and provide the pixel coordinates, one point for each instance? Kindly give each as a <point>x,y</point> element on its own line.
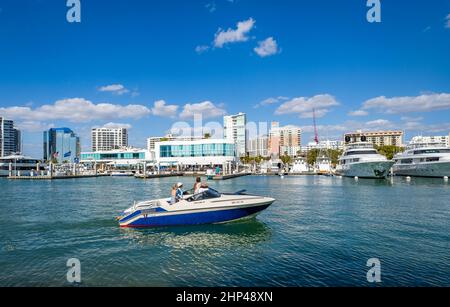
<point>56,177</point>
<point>154,176</point>
<point>232,176</point>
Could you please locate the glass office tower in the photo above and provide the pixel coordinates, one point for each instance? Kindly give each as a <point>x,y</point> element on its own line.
<point>61,145</point>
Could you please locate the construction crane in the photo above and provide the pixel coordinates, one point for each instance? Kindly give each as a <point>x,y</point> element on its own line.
<point>316,134</point>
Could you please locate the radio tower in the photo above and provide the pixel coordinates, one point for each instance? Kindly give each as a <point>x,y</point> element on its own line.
<point>316,134</point>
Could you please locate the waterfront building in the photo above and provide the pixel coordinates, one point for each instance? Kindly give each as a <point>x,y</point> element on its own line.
<point>324,145</point>
<point>258,147</point>
<point>104,139</point>
<point>378,138</point>
<point>440,140</point>
<point>62,145</point>
<point>235,129</point>
<point>283,140</point>
<point>10,138</point>
<point>198,153</point>
<point>151,141</point>
<point>117,157</point>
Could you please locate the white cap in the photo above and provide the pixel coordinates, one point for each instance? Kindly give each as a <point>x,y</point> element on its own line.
<point>179,184</point>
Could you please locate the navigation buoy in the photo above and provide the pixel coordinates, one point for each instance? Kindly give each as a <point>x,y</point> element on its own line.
<point>408,178</point>
<point>445,178</point>
<point>356,178</point>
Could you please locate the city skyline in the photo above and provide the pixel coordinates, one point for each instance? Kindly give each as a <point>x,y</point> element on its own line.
<point>171,61</point>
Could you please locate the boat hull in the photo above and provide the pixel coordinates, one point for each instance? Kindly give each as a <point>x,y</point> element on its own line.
<point>191,217</point>
<point>431,170</point>
<point>373,170</point>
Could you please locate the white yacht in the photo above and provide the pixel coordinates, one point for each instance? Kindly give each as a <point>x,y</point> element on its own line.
<point>363,161</point>
<point>18,164</point>
<point>300,166</point>
<point>323,165</point>
<point>423,160</point>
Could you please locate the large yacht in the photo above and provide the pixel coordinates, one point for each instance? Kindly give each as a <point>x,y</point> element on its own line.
<point>423,160</point>
<point>362,160</point>
<point>18,164</point>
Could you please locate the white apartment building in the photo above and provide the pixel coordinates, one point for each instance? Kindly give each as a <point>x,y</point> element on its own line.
<point>235,129</point>
<point>323,145</point>
<point>441,140</point>
<point>104,139</point>
<point>258,147</point>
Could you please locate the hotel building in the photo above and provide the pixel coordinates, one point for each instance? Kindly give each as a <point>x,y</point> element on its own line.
<point>235,129</point>
<point>61,144</point>
<point>10,138</point>
<point>378,138</point>
<point>104,139</point>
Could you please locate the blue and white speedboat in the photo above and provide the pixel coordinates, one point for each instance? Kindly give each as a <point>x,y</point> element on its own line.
<point>208,207</point>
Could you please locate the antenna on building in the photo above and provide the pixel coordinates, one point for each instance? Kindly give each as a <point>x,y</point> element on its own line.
<point>316,134</point>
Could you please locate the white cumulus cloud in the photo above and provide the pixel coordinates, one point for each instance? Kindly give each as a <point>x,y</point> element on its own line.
<point>75,110</point>
<point>304,106</point>
<point>358,113</point>
<point>117,89</point>
<point>406,104</point>
<point>239,34</point>
<point>160,108</point>
<point>267,47</point>
<point>206,109</point>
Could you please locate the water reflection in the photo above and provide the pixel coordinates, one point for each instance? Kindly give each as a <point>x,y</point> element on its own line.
<point>249,232</point>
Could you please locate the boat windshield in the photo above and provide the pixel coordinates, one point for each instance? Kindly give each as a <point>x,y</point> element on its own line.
<point>208,194</point>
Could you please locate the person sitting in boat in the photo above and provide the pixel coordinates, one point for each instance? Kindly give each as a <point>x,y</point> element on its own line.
<point>197,185</point>
<point>173,198</point>
<point>203,188</point>
<point>179,193</point>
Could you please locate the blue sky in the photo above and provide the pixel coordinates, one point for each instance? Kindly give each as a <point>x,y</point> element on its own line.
<point>274,60</point>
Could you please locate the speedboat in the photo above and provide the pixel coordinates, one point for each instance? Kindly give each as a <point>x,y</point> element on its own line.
<point>208,207</point>
<point>423,160</point>
<point>362,160</point>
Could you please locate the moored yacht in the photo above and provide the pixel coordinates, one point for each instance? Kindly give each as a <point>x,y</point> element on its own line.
<point>207,207</point>
<point>363,161</point>
<point>19,165</point>
<point>423,160</point>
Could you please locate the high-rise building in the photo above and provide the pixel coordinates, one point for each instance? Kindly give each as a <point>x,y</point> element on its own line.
<point>378,138</point>
<point>235,129</point>
<point>104,139</point>
<point>258,147</point>
<point>285,140</point>
<point>61,144</point>
<point>10,138</point>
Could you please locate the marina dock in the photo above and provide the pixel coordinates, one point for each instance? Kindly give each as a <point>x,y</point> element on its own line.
<point>142,176</point>
<point>232,176</point>
<point>59,177</point>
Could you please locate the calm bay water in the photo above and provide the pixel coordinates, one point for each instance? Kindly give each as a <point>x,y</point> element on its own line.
<point>320,232</point>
